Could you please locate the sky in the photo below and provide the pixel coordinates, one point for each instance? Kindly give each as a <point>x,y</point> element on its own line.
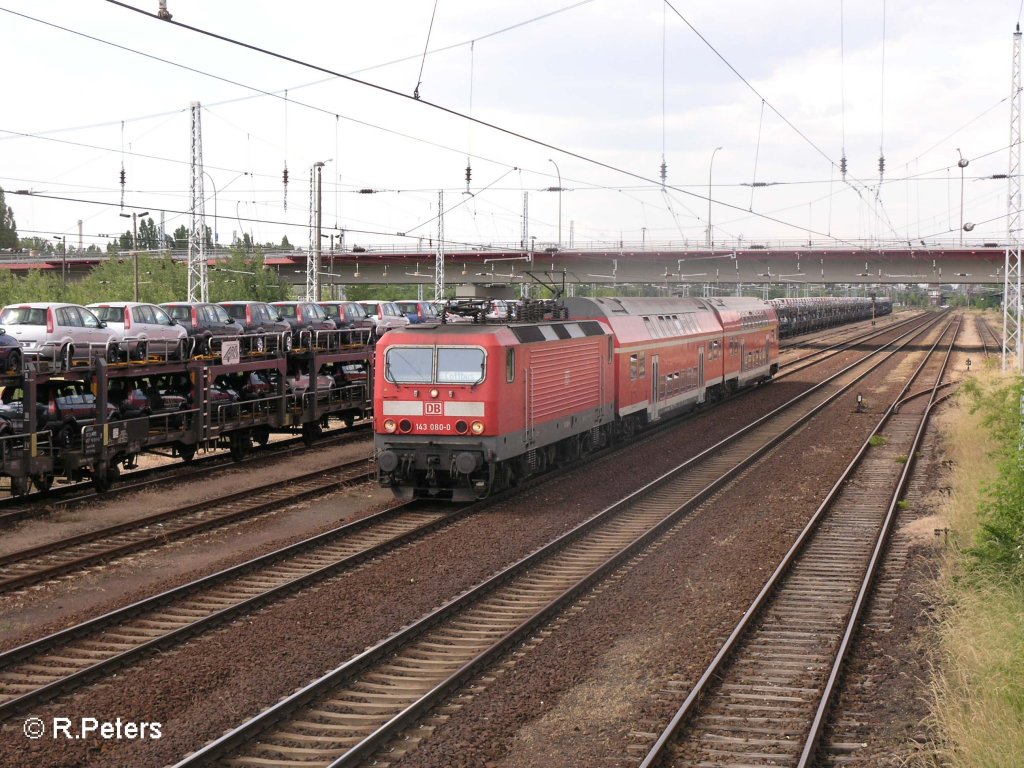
<point>587,97</point>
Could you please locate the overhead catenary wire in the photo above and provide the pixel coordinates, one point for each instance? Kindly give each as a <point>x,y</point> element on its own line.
<point>484,123</point>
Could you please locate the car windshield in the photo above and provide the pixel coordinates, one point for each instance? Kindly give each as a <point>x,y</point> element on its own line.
<point>410,365</point>
<point>109,314</point>
<point>23,316</point>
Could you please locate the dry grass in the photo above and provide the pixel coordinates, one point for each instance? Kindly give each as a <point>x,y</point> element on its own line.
<point>979,684</point>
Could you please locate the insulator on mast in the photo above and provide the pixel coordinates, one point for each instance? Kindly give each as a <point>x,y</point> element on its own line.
<point>881,164</point>
<point>842,165</point>
<point>284,181</point>
<point>122,186</point>
<point>664,171</point>
<point>469,175</point>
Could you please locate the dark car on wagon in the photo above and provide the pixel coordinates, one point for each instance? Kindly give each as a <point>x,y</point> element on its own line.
<point>305,319</point>
<point>204,322</point>
<point>61,406</point>
<point>260,318</point>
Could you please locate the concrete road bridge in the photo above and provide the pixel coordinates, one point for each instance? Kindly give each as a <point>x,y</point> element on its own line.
<point>671,263</point>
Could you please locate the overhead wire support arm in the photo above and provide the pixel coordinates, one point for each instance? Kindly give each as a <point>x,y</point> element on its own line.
<point>423,61</point>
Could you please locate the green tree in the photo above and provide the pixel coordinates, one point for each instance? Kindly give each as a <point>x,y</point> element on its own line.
<point>181,238</point>
<point>241,275</point>
<point>285,244</point>
<point>149,237</point>
<point>8,227</point>
<point>35,244</point>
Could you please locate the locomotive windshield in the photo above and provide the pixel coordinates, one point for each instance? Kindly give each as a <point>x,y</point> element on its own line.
<point>410,365</point>
<point>417,365</point>
<point>460,365</point>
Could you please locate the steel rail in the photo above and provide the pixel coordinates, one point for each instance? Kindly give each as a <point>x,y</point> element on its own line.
<point>752,614</point>
<point>256,582</point>
<point>46,561</point>
<point>44,502</point>
<point>615,534</point>
<point>788,368</point>
<point>820,716</point>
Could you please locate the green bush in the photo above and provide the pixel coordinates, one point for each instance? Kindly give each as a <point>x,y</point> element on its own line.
<point>999,543</point>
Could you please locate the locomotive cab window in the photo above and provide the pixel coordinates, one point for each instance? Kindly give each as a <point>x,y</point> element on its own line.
<point>409,365</point>
<point>460,365</point>
<point>510,365</point>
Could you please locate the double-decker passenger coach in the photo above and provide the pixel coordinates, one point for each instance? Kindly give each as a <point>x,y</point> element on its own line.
<point>462,410</point>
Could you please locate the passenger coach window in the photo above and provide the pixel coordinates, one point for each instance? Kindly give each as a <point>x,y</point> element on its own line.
<point>410,365</point>
<point>460,365</point>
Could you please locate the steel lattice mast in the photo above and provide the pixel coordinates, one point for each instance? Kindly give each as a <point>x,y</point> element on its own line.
<point>439,258</point>
<point>1012,337</point>
<point>198,277</point>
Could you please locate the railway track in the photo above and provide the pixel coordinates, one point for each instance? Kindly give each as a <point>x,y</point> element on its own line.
<point>47,561</point>
<point>799,363</point>
<point>50,666</point>
<point>69,496</point>
<point>764,699</point>
<point>346,716</point>
<point>991,342</point>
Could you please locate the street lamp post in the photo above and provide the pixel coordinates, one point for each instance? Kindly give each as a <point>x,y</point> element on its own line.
<point>135,249</point>
<point>559,190</point>
<point>711,165</point>
<point>63,263</point>
<point>215,238</point>
<point>963,163</point>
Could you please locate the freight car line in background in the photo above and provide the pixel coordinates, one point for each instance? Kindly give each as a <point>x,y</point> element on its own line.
<point>371,698</point>
<point>765,697</point>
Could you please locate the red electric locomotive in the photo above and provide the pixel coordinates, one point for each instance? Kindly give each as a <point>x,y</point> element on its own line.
<point>461,410</point>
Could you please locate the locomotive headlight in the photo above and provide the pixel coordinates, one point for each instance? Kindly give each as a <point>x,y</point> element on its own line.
<point>390,425</point>
<point>434,393</point>
<point>478,428</point>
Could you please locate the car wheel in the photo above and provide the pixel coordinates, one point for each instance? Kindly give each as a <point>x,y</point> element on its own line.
<point>240,445</point>
<point>261,344</point>
<point>14,361</point>
<point>43,482</point>
<point>64,437</point>
<point>142,350</point>
<point>204,345</point>
<point>67,356</point>
<point>112,353</point>
<point>262,435</point>
<point>20,485</point>
<point>288,342</point>
<point>103,481</point>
